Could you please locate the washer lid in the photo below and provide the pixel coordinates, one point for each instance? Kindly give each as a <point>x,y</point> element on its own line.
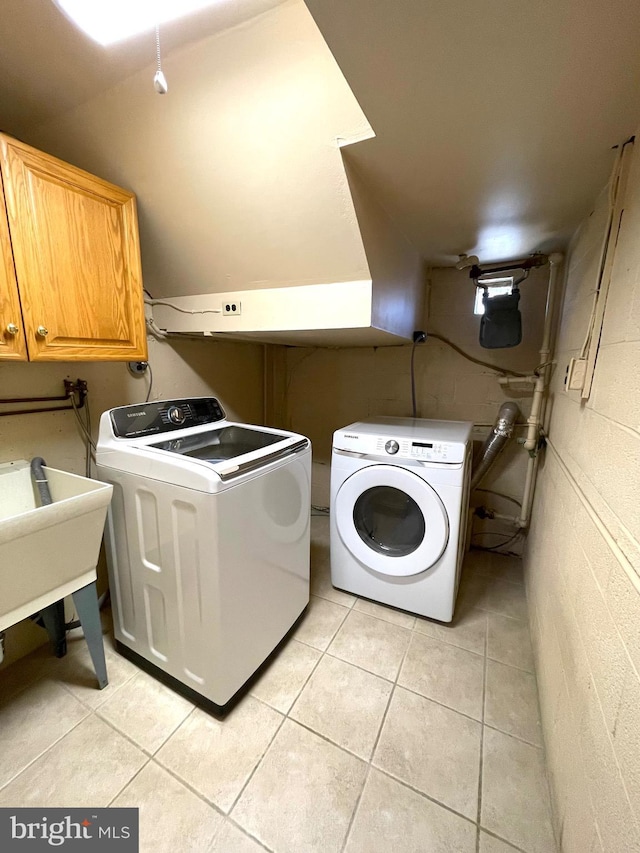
<point>207,457</point>
<point>391,520</point>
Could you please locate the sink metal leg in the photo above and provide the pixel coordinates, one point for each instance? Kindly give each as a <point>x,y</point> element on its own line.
<point>86,602</point>
<point>53,618</point>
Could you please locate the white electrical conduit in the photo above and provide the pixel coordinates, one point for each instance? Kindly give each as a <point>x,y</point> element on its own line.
<point>182,310</point>
<point>538,405</point>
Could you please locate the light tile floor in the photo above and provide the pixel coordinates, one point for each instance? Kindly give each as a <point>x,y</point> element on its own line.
<point>373,730</point>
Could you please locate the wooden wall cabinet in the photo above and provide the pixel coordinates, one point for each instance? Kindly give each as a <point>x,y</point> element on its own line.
<point>70,275</point>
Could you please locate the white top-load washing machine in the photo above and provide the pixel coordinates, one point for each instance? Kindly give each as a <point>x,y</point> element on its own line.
<point>399,504</point>
<point>207,541</point>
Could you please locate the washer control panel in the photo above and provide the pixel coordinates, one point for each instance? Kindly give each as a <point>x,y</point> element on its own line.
<point>176,414</point>
<point>164,416</point>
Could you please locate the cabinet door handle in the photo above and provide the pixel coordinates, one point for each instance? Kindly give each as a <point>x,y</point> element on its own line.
<point>42,331</point>
<point>12,329</point>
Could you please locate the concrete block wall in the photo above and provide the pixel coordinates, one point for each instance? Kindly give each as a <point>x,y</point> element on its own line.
<point>582,558</point>
<point>327,389</point>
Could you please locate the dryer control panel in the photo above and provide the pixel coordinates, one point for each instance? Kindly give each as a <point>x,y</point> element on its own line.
<point>405,448</point>
<point>397,439</point>
<point>165,416</point>
<point>399,447</point>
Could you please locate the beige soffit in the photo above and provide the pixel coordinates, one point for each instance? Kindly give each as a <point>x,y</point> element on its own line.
<point>242,189</point>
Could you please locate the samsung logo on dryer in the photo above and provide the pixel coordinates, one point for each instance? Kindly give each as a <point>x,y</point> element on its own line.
<point>346,435</point>
<point>136,414</point>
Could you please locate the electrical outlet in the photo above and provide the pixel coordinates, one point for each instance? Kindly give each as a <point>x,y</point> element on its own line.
<point>230,309</point>
<point>576,373</point>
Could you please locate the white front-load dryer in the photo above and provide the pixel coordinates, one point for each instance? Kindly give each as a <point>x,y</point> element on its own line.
<point>399,504</point>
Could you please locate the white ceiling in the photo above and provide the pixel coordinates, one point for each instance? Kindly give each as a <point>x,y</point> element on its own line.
<point>494,119</point>
<point>47,66</point>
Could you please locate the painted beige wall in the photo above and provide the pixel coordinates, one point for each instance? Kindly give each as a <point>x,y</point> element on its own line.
<point>327,389</point>
<point>237,169</point>
<point>583,556</point>
<point>231,371</point>
<point>396,268</point>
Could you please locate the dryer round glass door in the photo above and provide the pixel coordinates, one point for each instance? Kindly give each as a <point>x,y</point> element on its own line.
<point>391,520</point>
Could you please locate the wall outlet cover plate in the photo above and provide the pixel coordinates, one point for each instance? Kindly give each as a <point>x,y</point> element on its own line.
<point>576,373</point>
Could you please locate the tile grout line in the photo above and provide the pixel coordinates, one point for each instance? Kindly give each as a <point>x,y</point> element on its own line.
<point>509,844</point>
<point>260,760</point>
<point>322,656</point>
<point>447,642</point>
<point>387,607</point>
<point>499,613</point>
<point>495,728</point>
<point>375,746</point>
<point>126,785</point>
<point>285,717</point>
<point>45,751</point>
<point>207,802</point>
<point>356,807</point>
<point>92,708</point>
<point>511,665</point>
<point>173,731</point>
<point>442,704</point>
<point>268,746</point>
<point>188,785</point>
<point>133,741</point>
<point>244,832</point>
<point>433,639</point>
<point>127,737</point>
<point>480,769</point>
<point>333,636</point>
<point>334,656</point>
<point>307,679</point>
<point>422,794</point>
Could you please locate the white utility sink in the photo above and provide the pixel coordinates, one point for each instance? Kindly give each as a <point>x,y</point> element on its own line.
<point>46,552</point>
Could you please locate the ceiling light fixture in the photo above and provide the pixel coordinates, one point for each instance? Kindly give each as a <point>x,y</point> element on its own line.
<point>116,20</point>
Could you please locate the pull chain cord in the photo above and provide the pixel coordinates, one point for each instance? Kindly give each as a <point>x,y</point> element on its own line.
<point>159,80</point>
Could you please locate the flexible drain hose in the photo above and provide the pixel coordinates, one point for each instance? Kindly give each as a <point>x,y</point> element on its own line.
<point>500,434</point>
<point>40,479</point>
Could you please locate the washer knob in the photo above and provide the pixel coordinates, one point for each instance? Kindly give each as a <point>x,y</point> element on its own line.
<point>176,415</point>
<point>392,447</point>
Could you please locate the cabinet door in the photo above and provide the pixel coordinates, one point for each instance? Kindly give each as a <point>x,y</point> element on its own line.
<point>12,340</point>
<point>77,259</point>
